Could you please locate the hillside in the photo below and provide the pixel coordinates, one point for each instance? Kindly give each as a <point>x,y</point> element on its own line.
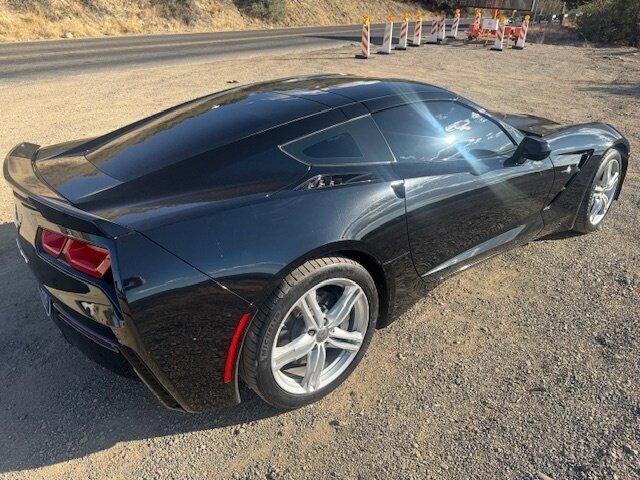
<point>40,19</point>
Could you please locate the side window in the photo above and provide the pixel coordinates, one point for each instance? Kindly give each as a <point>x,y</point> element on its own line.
<point>356,141</point>
<point>441,131</point>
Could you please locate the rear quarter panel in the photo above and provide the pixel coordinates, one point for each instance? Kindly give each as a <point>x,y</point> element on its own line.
<point>251,245</point>
<point>178,320</point>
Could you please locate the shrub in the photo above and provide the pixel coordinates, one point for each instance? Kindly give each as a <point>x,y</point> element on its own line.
<point>26,5</point>
<point>611,21</point>
<point>183,10</point>
<point>274,10</point>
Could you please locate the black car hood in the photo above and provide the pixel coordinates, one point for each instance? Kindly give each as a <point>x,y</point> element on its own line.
<point>529,124</point>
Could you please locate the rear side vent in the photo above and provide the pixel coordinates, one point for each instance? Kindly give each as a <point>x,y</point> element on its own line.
<point>327,181</point>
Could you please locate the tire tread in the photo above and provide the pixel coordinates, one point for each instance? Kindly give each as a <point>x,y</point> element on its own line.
<point>249,356</point>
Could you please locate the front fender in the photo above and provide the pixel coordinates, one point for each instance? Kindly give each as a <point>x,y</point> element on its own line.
<point>595,137</point>
<point>576,154</point>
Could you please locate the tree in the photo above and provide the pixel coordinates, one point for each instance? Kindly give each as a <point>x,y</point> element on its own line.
<point>611,21</point>
<point>573,4</point>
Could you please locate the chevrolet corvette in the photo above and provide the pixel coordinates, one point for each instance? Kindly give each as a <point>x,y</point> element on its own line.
<point>263,233</point>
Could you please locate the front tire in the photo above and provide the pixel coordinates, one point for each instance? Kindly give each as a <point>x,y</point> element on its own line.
<point>602,192</point>
<point>311,333</point>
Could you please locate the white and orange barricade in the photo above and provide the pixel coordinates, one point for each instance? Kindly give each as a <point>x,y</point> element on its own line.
<point>388,37</point>
<point>417,31</point>
<point>435,28</point>
<point>442,27</point>
<point>488,28</point>
<point>522,34</point>
<point>453,33</point>
<point>365,44</point>
<point>499,42</point>
<point>404,32</point>
<point>474,29</point>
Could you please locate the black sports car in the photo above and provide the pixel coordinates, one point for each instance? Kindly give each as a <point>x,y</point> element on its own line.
<point>266,231</point>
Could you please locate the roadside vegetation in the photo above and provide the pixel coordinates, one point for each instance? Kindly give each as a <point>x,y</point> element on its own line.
<point>607,21</point>
<point>39,19</point>
<point>266,9</point>
<point>611,21</point>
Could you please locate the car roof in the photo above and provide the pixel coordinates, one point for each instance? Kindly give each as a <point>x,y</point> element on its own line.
<point>337,90</point>
<point>222,118</point>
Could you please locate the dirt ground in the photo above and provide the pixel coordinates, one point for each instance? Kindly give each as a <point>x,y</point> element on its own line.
<point>524,367</point>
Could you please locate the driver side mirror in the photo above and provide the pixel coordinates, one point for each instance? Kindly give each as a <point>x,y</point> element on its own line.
<point>532,148</point>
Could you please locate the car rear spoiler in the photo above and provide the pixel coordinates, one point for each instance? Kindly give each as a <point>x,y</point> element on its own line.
<point>35,194</point>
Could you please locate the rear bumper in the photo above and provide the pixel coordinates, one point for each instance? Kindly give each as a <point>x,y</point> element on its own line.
<point>175,341</point>
<point>155,315</point>
<point>172,338</point>
<point>99,346</point>
<point>97,338</point>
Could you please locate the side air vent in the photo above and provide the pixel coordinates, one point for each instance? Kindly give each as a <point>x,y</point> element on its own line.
<point>327,181</point>
<point>585,156</point>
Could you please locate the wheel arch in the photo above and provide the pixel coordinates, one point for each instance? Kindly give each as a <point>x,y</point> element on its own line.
<point>382,279</point>
<point>623,148</point>
<point>357,251</point>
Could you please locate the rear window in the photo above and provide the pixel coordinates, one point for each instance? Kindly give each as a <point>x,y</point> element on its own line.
<point>355,142</point>
<point>194,129</point>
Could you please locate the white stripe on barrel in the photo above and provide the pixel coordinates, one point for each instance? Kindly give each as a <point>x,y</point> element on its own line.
<point>454,25</point>
<point>404,33</point>
<point>497,45</point>
<point>417,31</point>
<point>388,37</point>
<point>522,36</point>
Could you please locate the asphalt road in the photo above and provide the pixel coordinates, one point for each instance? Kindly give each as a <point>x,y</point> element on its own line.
<point>50,58</point>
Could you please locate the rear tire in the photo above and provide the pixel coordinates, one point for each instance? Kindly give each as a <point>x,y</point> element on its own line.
<point>601,194</point>
<point>311,333</point>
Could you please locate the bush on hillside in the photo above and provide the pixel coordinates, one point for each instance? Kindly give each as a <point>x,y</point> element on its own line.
<point>274,10</point>
<point>611,21</point>
<point>184,10</point>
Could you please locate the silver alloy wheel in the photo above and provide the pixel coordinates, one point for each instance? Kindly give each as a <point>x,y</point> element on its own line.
<point>604,191</point>
<point>320,336</point>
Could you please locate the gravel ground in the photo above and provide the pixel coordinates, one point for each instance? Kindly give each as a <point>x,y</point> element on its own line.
<point>524,367</point>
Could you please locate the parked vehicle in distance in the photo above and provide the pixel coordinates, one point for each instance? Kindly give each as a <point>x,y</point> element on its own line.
<point>264,232</point>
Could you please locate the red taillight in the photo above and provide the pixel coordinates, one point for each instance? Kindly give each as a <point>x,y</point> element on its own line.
<point>82,256</point>
<point>232,351</point>
<point>87,258</point>
<point>52,242</point>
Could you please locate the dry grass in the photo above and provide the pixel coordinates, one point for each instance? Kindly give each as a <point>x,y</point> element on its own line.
<point>41,19</point>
